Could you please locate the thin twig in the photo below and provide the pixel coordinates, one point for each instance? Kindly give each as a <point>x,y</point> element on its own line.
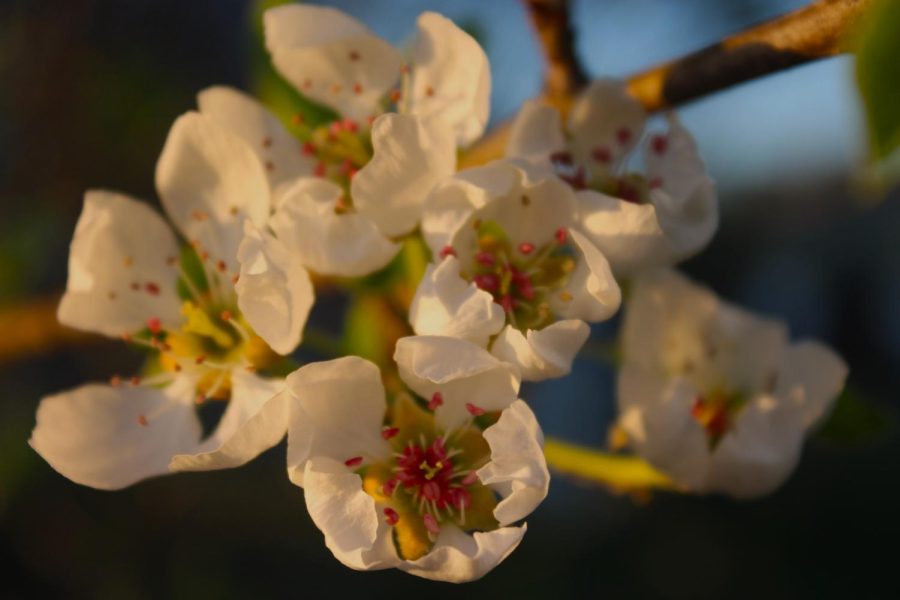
<point>31,328</point>
<point>563,75</point>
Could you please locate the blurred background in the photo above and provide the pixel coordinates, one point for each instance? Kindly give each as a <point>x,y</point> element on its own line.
<point>88,89</point>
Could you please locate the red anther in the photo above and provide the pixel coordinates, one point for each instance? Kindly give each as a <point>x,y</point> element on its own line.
<point>297,119</point>
<point>460,498</point>
<point>392,517</point>
<point>200,359</point>
<point>395,96</point>
<point>221,266</point>
<point>152,288</point>
<point>354,462</point>
<point>486,258</point>
<point>357,88</point>
<point>656,183</point>
<point>432,491</point>
<point>335,128</point>
<point>525,288</point>
<point>697,408</point>
<point>142,421</point>
<point>135,381</point>
<point>354,55</point>
<point>475,411</point>
<point>526,248</point>
<point>447,251</point>
<point>267,142</point>
<point>437,399</point>
<point>431,524</point>
<point>659,143</point>
<point>563,158</point>
<point>389,486</point>
<point>508,303</point>
<point>471,478</point>
<point>429,91</point>
<point>154,325</point>
<point>487,282</point>
<point>115,381</point>
<point>389,432</point>
<point>350,125</point>
<point>623,135</point>
<point>718,424</point>
<point>226,315</point>
<point>308,148</point>
<point>561,235</point>
<point>319,169</point>
<point>602,154</point>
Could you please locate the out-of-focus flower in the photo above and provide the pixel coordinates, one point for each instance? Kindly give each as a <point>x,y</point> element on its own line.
<point>637,220</point>
<point>512,265</point>
<point>208,323</point>
<point>430,483</point>
<point>714,396</point>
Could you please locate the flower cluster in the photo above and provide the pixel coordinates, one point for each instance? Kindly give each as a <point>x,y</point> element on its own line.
<point>428,462</point>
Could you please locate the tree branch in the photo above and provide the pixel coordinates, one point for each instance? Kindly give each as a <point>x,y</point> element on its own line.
<point>31,329</point>
<point>563,74</point>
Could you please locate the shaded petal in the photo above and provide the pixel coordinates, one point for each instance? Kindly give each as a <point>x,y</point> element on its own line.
<point>451,78</point>
<point>810,377</point>
<point>274,291</point>
<point>255,420</point>
<point>595,295</point>
<point>347,244</point>
<point>461,371</point>
<point>331,57</point>
<point>278,151</point>
<point>459,557</point>
<point>210,180</point>
<point>111,437</point>
<point>545,353</point>
<point>409,158</point>
<point>347,516</point>
<point>446,304</point>
<point>536,133</point>
<point>337,412</point>
<point>120,271</point>
<point>517,470</point>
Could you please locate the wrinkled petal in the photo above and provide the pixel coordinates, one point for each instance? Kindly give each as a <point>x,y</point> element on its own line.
<point>347,244</point>
<point>605,117</point>
<point>278,151</point>
<point>462,372</point>
<point>210,180</point>
<point>542,354</point>
<point>536,132</point>
<point>446,304</point>
<point>255,420</point>
<point>111,437</point>
<point>331,57</point>
<point>120,268</point>
<point>347,516</point>
<point>337,412</point>
<point>593,294</point>
<point>459,557</point>
<point>274,291</point>
<point>451,78</point>
<point>517,470</point>
<point>809,379</point>
<point>409,158</point>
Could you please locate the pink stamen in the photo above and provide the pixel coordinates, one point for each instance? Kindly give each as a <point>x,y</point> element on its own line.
<point>389,486</point>
<point>431,524</point>
<point>447,251</point>
<point>623,135</point>
<point>392,516</point>
<point>487,282</point>
<point>354,462</point>
<point>389,432</point>
<point>659,143</point>
<point>526,248</point>
<point>475,411</point>
<point>469,479</point>
<point>154,325</point>
<point>308,148</point>
<point>561,235</point>
<point>486,258</point>
<point>437,399</point>
<point>152,288</point>
<point>602,154</point>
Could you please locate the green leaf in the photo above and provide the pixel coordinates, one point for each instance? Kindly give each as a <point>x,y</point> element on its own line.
<point>878,77</point>
<point>855,420</point>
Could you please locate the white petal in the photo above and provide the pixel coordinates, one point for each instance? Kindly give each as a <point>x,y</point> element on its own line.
<point>348,244</point>
<point>445,304</point>
<point>354,531</point>
<point>409,158</point>
<point>210,180</point>
<point>517,470</point>
<point>338,411</point>
<point>274,291</point>
<point>277,150</point>
<point>255,420</point>
<point>462,372</point>
<point>120,244</point>
<point>458,557</point>
<point>595,295</point>
<point>536,132</point>
<point>95,435</point>
<point>543,354</point>
<point>331,57</point>
<point>599,116</point>
<point>809,379</point>
<point>451,77</point>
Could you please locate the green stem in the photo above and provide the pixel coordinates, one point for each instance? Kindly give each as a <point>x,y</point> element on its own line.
<point>620,472</point>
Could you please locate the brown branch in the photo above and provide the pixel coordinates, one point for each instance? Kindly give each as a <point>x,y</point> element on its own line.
<point>31,328</point>
<point>563,75</point>
<point>816,31</point>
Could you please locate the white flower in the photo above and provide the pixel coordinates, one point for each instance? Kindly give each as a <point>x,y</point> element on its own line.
<point>512,271</point>
<point>430,483</point>
<point>714,396</point>
<point>206,336</point>
<point>638,221</point>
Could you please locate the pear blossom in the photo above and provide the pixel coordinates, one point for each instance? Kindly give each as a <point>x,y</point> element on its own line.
<point>396,135</point>
<point>512,270</point>
<point>213,316</point>
<point>432,482</point>
<point>714,396</point>
<point>638,220</point>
